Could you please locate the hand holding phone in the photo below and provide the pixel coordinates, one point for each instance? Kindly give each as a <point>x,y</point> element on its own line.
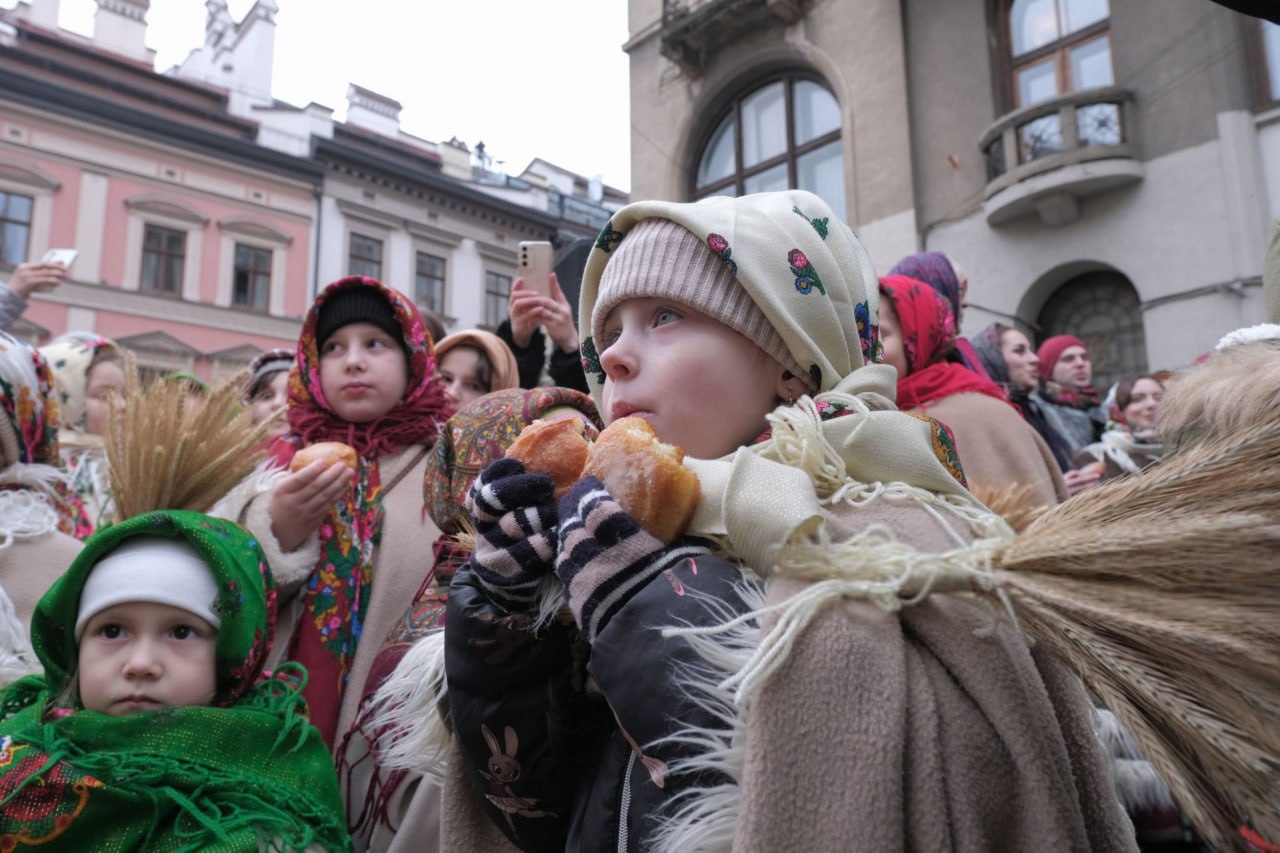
<point>66,257</point>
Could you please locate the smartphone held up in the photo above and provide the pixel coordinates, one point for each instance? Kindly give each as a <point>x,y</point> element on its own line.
<point>533,264</point>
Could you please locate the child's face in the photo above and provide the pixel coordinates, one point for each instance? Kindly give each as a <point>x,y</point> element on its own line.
<point>460,370</point>
<point>363,372</point>
<point>891,339</point>
<point>139,656</point>
<point>270,399</point>
<point>700,384</point>
<point>104,388</point>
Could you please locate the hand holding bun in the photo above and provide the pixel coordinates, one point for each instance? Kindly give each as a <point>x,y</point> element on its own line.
<point>556,448</point>
<point>328,452</point>
<point>647,477</point>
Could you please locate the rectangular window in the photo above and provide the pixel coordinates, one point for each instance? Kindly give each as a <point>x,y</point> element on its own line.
<point>164,252</point>
<point>15,227</point>
<point>251,285</point>
<point>428,283</point>
<point>496,290</point>
<point>365,256</point>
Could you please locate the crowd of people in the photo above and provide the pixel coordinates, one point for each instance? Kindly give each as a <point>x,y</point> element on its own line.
<point>439,649</point>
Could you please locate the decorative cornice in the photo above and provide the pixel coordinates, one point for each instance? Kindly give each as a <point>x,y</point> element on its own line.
<point>21,173</point>
<point>167,207</point>
<point>245,226</point>
<point>134,10</point>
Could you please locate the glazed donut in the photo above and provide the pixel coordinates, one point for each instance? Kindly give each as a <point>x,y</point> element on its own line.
<point>556,448</point>
<point>647,477</point>
<point>328,452</point>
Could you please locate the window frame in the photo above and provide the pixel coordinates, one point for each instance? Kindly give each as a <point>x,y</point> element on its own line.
<point>1008,65</point>
<point>352,256</point>
<point>143,286</point>
<point>791,153</point>
<point>1259,70</point>
<point>495,298</point>
<point>30,225</point>
<point>442,281</point>
<point>268,271</point>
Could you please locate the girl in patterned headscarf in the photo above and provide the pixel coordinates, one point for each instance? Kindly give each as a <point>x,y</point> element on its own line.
<point>744,330</point>
<point>37,514</point>
<point>151,728</point>
<point>350,547</point>
<point>944,275</point>
<point>89,376</point>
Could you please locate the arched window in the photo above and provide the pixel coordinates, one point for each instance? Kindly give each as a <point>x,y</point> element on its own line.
<point>784,134</point>
<point>1058,46</point>
<point>1101,309</point>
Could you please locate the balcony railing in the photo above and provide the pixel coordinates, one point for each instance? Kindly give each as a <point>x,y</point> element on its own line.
<point>1042,151</point>
<point>694,30</point>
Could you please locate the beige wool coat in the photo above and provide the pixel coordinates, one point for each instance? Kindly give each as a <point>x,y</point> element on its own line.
<point>401,561</point>
<point>997,449</point>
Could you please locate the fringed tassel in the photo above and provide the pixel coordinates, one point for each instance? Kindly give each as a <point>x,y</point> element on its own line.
<point>16,656</point>
<point>412,735</point>
<point>25,515</point>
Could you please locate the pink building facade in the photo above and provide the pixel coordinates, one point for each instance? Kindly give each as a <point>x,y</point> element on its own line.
<point>195,243</point>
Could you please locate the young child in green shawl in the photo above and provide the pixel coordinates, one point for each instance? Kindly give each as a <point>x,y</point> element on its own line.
<point>153,726</point>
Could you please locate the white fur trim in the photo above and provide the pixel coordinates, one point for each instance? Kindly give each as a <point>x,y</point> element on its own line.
<point>1249,335</point>
<point>16,656</point>
<point>404,713</point>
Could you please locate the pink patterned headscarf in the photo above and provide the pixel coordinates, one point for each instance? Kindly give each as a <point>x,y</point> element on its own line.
<point>417,418</point>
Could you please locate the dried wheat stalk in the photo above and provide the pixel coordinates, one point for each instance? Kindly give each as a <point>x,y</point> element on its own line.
<point>169,449</point>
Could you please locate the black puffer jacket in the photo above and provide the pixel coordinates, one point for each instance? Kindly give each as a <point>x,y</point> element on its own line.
<point>546,754</point>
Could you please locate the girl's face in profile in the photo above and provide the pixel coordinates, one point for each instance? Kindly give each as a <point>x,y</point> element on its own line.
<point>462,372</point>
<point>140,656</point>
<point>364,372</point>
<point>1144,404</point>
<point>1021,359</point>
<point>701,385</point>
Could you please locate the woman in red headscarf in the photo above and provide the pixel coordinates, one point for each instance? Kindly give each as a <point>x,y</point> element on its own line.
<point>997,449</point>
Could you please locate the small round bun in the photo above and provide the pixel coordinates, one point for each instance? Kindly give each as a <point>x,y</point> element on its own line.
<point>556,448</point>
<point>328,452</point>
<point>647,477</point>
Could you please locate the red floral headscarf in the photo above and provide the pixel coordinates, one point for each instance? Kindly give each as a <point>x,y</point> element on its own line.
<point>928,334</point>
<point>417,418</point>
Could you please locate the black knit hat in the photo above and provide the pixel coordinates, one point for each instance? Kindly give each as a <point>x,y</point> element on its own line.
<point>356,305</point>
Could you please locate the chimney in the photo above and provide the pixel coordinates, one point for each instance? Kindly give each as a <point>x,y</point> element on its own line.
<point>39,13</point>
<point>120,26</point>
<point>372,111</point>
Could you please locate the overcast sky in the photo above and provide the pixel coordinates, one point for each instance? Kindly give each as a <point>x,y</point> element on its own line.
<point>530,79</point>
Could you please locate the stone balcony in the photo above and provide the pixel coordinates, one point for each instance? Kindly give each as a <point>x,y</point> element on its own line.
<point>1043,159</point>
<point>693,31</point>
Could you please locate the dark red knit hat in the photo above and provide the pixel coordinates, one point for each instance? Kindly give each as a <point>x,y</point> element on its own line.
<point>1051,350</point>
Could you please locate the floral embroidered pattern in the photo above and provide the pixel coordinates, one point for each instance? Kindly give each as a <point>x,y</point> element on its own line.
<point>944,446</point>
<point>591,359</point>
<point>806,276</point>
<point>819,225</point>
<point>719,247</point>
<point>609,237</point>
<point>868,334</point>
<point>45,810</point>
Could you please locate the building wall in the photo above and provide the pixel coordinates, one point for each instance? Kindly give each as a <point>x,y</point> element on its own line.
<point>99,172</point>
<point>918,84</point>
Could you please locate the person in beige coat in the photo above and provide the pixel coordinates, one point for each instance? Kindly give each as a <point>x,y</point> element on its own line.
<point>1001,454</point>
<point>36,515</point>
<point>349,549</point>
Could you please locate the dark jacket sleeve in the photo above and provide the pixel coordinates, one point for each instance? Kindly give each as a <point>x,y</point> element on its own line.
<point>565,369</point>
<point>529,359</point>
<point>653,685</point>
<point>518,709</point>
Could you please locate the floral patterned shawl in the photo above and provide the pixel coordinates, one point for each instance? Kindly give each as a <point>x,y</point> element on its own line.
<point>246,769</point>
<point>337,594</point>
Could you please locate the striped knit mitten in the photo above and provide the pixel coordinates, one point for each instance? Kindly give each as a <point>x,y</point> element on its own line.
<point>515,517</point>
<point>605,556</point>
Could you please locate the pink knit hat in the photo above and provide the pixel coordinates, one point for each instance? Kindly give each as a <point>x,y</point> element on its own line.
<point>655,255</point>
<point>1051,350</point>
